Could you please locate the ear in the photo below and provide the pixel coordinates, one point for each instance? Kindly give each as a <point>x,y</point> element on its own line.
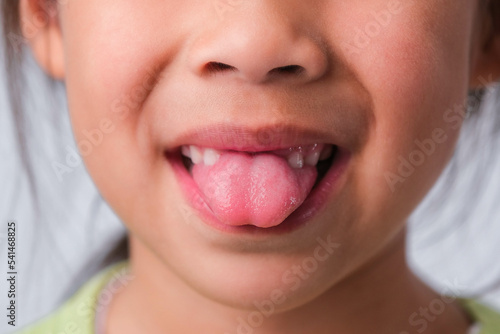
<point>40,27</point>
<point>487,60</point>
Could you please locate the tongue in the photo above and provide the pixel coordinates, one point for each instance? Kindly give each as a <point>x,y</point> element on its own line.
<point>260,190</point>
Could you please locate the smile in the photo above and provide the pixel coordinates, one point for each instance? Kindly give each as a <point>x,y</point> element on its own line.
<point>259,188</point>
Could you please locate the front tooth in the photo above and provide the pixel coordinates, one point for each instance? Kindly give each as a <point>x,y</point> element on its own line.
<point>196,154</point>
<point>210,157</point>
<point>312,158</point>
<point>326,153</point>
<point>186,151</point>
<point>296,160</point>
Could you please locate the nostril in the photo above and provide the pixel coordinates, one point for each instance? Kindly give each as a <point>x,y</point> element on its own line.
<point>213,67</point>
<point>290,69</point>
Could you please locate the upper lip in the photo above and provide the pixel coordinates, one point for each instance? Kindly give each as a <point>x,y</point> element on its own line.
<point>264,138</point>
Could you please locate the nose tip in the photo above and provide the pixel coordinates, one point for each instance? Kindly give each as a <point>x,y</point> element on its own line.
<point>259,52</point>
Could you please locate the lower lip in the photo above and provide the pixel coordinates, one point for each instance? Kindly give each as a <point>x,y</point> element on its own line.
<point>324,192</point>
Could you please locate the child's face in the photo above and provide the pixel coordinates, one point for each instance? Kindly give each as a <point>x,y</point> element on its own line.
<point>381,79</point>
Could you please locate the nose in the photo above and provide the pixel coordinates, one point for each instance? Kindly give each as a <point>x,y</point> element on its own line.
<point>258,45</point>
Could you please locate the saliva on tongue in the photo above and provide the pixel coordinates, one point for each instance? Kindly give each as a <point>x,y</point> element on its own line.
<point>253,189</point>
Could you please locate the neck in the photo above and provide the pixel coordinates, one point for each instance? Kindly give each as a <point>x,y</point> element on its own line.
<point>383,296</point>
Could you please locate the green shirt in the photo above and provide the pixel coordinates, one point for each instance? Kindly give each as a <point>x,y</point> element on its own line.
<point>77,315</point>
<point>488,318</point>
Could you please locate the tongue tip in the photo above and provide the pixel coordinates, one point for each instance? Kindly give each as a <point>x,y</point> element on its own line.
<point>266,214</point>
<point>242,215</point>
<point>265,224</point>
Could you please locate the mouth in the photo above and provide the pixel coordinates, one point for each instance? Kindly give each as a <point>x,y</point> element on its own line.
<point>259,190</point>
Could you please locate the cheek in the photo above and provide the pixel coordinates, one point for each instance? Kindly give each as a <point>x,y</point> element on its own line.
<point>112,64</point>
<point>112,58</point>
<point>416,71</point>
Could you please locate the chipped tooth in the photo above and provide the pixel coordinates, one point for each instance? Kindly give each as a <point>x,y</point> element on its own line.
<point>312,158</point>
<point>186,151</point>
<point>196,154</point>
<point>326,153</point>
<point>210,157</point>
<point>296,160</point>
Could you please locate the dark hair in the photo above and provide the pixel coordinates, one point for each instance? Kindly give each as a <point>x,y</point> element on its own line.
<point>14,60</point>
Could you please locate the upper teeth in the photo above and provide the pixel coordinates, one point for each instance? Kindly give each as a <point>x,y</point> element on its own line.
<point>196,154</point>
<point>210,156</point>
<point>296,160</point>
<point>297,157</point>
